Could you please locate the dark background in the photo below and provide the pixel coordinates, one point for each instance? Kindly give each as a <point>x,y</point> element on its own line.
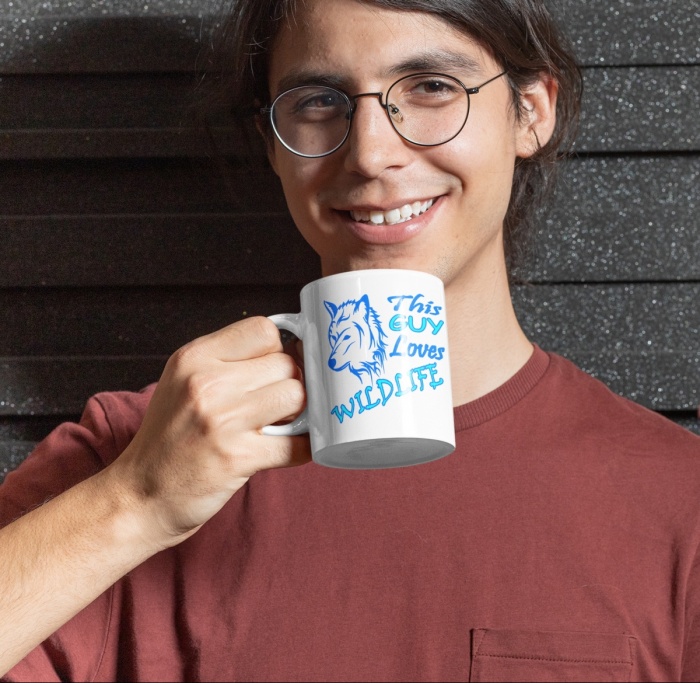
<point>121,240</point>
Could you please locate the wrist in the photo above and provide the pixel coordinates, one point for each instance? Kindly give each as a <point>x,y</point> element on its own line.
<point>141,518</point>
<point>129,513</point>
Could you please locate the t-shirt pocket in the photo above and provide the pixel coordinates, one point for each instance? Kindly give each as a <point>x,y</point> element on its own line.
<point>510,655</point>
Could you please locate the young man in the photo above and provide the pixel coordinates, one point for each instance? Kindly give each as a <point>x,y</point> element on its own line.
<point>558,542</point>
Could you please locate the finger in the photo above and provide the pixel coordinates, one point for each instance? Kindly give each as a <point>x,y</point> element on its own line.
<point>243,340</point>
<point>233,386</point>
<point>274,403</point>
<point>263,452</point>
<point>287,451</point>
<point>256,373</point>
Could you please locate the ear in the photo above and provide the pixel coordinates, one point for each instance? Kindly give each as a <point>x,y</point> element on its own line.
<point>331,308</point>
<point>362,305</point>
<point>538,103</point>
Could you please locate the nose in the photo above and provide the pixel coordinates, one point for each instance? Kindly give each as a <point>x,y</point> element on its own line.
<point>373,145</point>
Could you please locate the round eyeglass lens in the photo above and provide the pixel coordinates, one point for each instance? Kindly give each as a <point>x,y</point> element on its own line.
<point>428,109</point>
<point>311,120</point>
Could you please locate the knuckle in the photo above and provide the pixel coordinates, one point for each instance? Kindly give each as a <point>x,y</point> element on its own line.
<point>184,357</point>
<point>207,423</point>
<point>293,395</point>
<point>273,367</point>
<point>198,394</point>
<point>266,333</point>
<point>283,365</point>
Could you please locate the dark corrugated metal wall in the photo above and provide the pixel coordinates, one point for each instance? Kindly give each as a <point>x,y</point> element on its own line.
<point>121,240</point>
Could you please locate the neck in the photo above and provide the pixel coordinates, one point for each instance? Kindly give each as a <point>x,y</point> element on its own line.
<point>487,344</point>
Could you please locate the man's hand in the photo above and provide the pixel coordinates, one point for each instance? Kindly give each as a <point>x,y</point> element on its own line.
<point>200,441</point>
<point>201,437</point>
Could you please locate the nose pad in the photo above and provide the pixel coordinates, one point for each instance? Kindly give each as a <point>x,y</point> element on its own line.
<point>395,113</point>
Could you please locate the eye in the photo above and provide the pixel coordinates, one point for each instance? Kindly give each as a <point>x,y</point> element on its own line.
<point>434,87</point>
<point>312,104</point>
<point>426,90</point>
<point>321,100</point>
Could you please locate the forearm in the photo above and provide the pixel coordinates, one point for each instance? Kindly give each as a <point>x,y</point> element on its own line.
<point>198,443</point>
<point>57,559</point>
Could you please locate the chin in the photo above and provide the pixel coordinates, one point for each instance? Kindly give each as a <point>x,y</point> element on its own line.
<point>376,260</point>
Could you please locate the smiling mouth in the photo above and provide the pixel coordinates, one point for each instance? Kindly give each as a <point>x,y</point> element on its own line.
<point>393,216</point>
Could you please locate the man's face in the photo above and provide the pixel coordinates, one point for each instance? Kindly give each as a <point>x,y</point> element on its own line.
<point>364,48</point>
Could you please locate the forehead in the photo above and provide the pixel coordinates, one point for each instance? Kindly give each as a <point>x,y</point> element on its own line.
<point>357,43</point>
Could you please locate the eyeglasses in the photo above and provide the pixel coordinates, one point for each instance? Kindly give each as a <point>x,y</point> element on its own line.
<point>426,109</point>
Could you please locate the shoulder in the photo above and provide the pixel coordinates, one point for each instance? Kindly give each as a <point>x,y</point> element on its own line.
<point>120,413</point>
<point>605,448</point>
<point>587,407</point>
<point>74,451</point>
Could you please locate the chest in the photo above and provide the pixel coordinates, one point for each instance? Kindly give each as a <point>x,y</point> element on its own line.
<point>363,575</point>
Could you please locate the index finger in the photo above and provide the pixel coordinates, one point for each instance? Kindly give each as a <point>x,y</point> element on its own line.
<point>243,340</point>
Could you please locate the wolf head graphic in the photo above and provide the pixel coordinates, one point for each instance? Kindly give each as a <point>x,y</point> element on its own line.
<point>357,340</point>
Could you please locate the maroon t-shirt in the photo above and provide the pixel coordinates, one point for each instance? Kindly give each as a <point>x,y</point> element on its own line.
<point>559,542</point>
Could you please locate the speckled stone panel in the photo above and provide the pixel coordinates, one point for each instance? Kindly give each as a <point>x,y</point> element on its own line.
<point>603,31</point>
<point>104,36</point>
<point>690,423</point>
<point>61,386</point>
<point>641,339</point>
<point>622,218</point>
<point>624,318</point>
<point>632,31</point>
<point>12,453</point>
<point>98,8</point>
<point>640,109</point>
<point>37,34</point>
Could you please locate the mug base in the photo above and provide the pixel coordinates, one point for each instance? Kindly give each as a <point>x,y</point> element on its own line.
<point>377,454</point>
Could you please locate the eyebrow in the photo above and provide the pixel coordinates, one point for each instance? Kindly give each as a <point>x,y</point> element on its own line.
<point>428,60</point>
<point>299,77</point>
<point>438,60</point>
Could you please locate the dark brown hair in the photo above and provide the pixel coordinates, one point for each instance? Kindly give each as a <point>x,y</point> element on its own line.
<point>521,35</point>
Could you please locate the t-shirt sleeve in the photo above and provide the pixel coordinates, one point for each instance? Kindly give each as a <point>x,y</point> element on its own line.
<point>70,454</point>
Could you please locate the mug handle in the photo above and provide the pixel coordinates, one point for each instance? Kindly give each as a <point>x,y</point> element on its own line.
<point>300,425</point>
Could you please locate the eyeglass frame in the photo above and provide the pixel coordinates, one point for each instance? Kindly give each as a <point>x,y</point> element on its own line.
<point>352,107</point>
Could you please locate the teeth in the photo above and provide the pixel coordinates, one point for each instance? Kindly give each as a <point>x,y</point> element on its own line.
<point>393,216</point>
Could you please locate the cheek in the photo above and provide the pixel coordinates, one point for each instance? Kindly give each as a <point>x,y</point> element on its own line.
<point>301,187</point>
<point>484,152</point>
<point>288,175</point>
<point>484,171</point>
<point>300,180</point>
<point>493,128</point>
<point>491,154</point>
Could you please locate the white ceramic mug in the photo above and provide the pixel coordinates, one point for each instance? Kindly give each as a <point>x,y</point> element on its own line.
<point>376,367</point>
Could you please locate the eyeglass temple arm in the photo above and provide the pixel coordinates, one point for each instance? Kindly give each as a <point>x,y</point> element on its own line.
<point>475,90</point>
